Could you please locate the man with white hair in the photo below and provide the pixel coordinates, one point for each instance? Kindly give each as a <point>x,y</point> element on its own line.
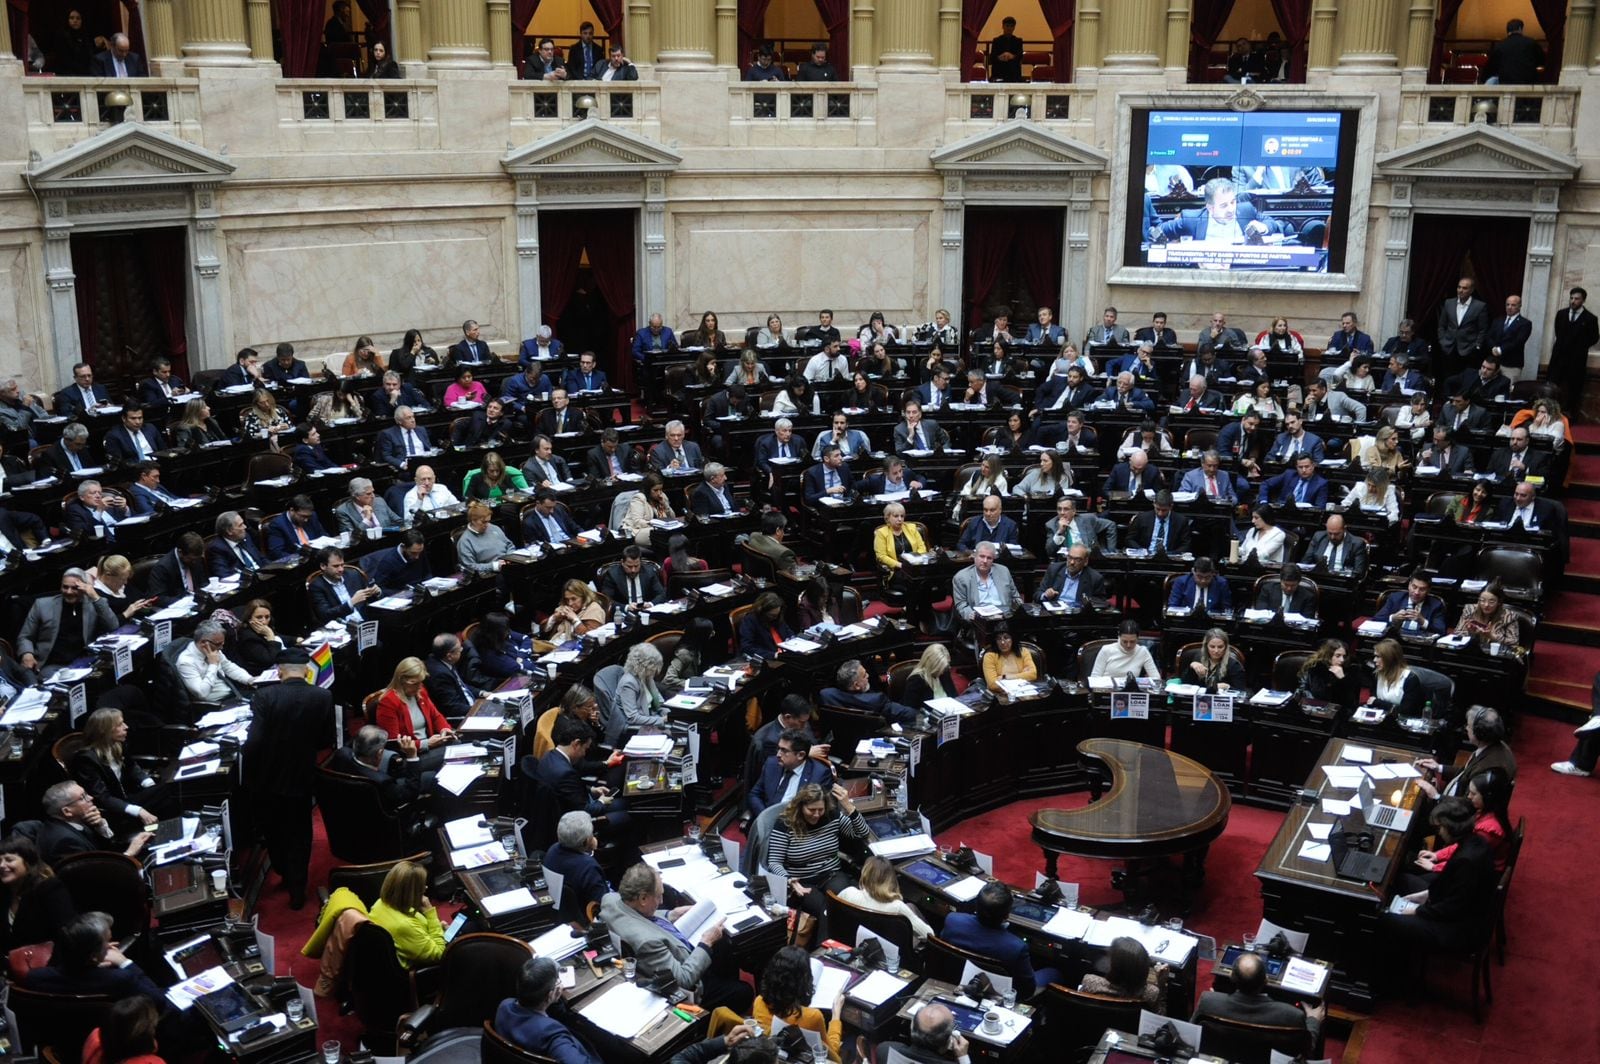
<point>542,346</point>
<point>206,672</point>
<point>119,60</point>
<point>676,454</point>
<point>59,628</point>
<point>405,440</point>
<point>365,513</point>
<point>94,513</point>
<point>984,584</point>
<point>572,858</point>
<point>426,495</point>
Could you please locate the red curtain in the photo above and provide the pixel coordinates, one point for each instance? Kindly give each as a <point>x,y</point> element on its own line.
<point>612,245</point>
<point>610,13</point>
<point>974,15</point>
<point>1499,256</point>
<point>376,12</point>
<point>1432,277</point>
<point>988,239</point>
<point>521,14</point>
<point>1060,14</point>
<point>1205,26</point>
<point>752,29</point>
<point>166,264</point>
<point>17,15</point>
<point>300,23</point>
<point>561,241</point>
<point>1448,10</point>
<point>1552,16</point>
<point>1294,18</point>
<point>1039,257</point>
<point>836,19</point>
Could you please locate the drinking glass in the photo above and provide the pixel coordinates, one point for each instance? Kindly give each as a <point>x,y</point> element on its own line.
<point>295,1010</point>
<point>630,969</point>
<point>332,1050</point>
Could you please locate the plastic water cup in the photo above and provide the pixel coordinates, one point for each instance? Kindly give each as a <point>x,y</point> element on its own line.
<point>332,1050</point>
<point>295,1010</point>
<point>630,969</point>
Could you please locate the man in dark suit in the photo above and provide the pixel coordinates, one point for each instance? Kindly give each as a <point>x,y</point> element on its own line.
<point>1005,53</point>
<point>560,771</point>
<point>86,961</point>
<point>339,591</point>
<point>829,478</point>
<point>546,469</point>
<point>781,443</point>
<point>1464,418</point>
<point>94,513</point>
<point>585,59</point>
<point>715,495</point>
<point>181,571</point>
<point>1199,396</point>
<point>572,858</point>
<point>675,454</point>
<point>146,495</point>
<point>1133,477</point>
<point>295,527</point>
<point>629,581</point>
<point>399,567</point>
<point>391,395</point>
<point>896,477</point>
<point>786,771</point>
<point>1334,549</point>
<point>291,722</point>
<point>853,690</point>
<point>1507,338</point>
<point>82,395</point>
<point>548,522</point>
<point>918,433</point>
<point>285,367</point>
<point>1463,321</point>
<point>1156,333</point>
<point>1249,1003</point>
<point>244,370</point>
<point>983,931</point>
<point>132,441</point>
<point>559,417</point>
<point>1245,442</point>
<point>119,60</point>
<point>1576,330</point>
<point>1288,594</point>
<point>232,551</point>
<point>545,64</point>
<point>471,350</point>
<point>607,459</point>
<point>1200,590</point>
<point>1127,396</point>
<point>991,526</point>
<point>451,683</point>
<point>618,68</point>
<point>1223,219</point>
<point>1159,530</point>
<point>74,824</point>
<point>1518,460</point>
<point>398,774</point>
<point>1400,377</point>
<point>1414,609</point>
<point>19,529</point>
<point>1296,486</point>
<point>1451,459</point>
<point>1534,514</point>
<point>1294,440</point>
<point>1072,581</point>
<point>936,394</point>
<point>1515,60</point>
<point>654,338</point>
<point>404,441</point>
<point>161,388</point>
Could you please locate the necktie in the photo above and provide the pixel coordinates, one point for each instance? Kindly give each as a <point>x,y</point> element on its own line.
<point>1300,491</point>
<point>88,398</point>
<point>141,445</point>
<point>783,450</point>
<point>667,926</point>
<point>1572,315</point>
<point>1211,486</point>
<point>188,578</point>
<point>300,533</point>
<point>412,443</point>
<point>633,590</point>
<point>588,382</point>
<point>678,454</point>
<point>1509,321</point>
<point>1200,597</point>
<point>917,439</point>
<point>1159,540</point>
<point>1333,556</point>
<point>244,557</point>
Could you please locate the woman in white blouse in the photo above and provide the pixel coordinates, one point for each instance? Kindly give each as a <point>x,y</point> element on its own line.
<point>1265,540</point>
<point>797,398</point>
<point>1416,418</point>
<point>1261,400</point>
<point>1126,655</point>
<point>879,892</point>
<point>988,479</point>
<point>1375,493</point>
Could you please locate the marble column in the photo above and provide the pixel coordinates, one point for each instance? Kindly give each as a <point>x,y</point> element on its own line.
<point>1580,25</point>
<point>460,34</point>
<point>653,240</point>
<point>214,33</point>
<point>1419,36</point>
<point>1536,279</point>
<point>862,53</point>
<point>906,31</point>
<point>1320,46</point>
<point>950,34</point>
<point>1391,284</point>
<point>638,38</point>
<point>528,301</point>
<point>951,236</point>
<point>6,55</point>
<point>685,34</point>
<point>1086,37</point>
<point>1132,31</point>
<point>1366,37</point>
<point>205,248</point>
<point>1178,17</point>
<point>500,40</point>
<point>259,30</point>
<point>407,31</point>
<point>160,36</point>
<point>63,284</point>
<point>728,33</point>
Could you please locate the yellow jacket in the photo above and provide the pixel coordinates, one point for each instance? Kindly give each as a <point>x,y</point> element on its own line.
<point>810,1019</point>
<point>418,936</point>
<point>883,544</point>
<point>1019,665</point>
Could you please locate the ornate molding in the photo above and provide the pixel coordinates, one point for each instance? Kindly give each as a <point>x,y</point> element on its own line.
<point>134,203</point>
<point>1246,100</point>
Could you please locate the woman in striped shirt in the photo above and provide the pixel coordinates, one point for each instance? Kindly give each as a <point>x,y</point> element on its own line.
<point>805,848</point>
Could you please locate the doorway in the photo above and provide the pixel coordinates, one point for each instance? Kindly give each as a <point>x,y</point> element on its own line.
<point>1491,250</point>
<point>132,301</point>
<point>587,268</point>
<point>1013,263</point>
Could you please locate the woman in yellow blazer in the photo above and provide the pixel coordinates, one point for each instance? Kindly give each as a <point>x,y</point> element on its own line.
<point>405,912</point>
<point>893,538</point>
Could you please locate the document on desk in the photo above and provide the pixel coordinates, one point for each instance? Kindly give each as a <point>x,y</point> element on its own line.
<point>624,1010</point>
<point>1102,932</point>
<point>1344,777</point>
<point>1312,850</point>
<point>1303,977</point>
<point>903,847</point>
<point>1069,924</point>
<point>1318,831</point>
<point>1361,755</point>
<point>1337,807</point>
<point>827,981</point>
<point>468,831</point>
<point>481,722</point>
<point>799,645</point>
<point>27,707</point>
<point>457,778</point>
<point>479,856</point>
<point>465,751</point>
<point>185,993</point>
<point>558,943</point>
<point>877,988</point>
<point>508,901</point>
<point>648,746</point>
<point>964,889</point>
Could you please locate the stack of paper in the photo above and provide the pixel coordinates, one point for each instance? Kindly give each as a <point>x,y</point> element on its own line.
<point>903,847</point>
<point>509,901</point>
<point>799,645</point>
<point>558,943</point>
<point>877,988</point>
<point>468,831</point>
<point>624,1010</point>
<point>456,778</point>
<point>479,856</point>
<point>648,746</point>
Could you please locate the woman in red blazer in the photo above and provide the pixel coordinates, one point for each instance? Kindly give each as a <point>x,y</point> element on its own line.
<point>404,699</point>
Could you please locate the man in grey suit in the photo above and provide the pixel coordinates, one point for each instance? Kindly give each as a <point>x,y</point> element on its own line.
<point>1069,527</point>
<point>662,951</point>
<point>1107,332</point>
<point>1337,550</point>
<point>769,542</point>
<point>1463,321</point>
<point>917,433</point>
<point>59,628</point>
<point>1249,1003</point>
<point>983,583</point>
<point>364,510</point>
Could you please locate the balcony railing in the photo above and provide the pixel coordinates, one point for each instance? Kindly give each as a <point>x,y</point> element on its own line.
<point>836,114</point>
<point>63,111</point>
<point>1541,113</point>
<point>975,107</point>
<point>313,113</point>
<point>547,107</point>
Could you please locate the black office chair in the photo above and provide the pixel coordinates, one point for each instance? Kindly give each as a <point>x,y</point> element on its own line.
<point>360,830</point>
<point>1252,1043</point>
<point>111,883</point>
<point>497,1050</point>
<point>1073,1020</point>
<point>844,919</point>
<point>56,1024</point>
<point>365,880</point>
<point>381,990</point>
<point>477,972</point>
<point>946,961</point>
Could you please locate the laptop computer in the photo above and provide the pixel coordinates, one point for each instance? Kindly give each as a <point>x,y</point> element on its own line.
<point>1350,861</point>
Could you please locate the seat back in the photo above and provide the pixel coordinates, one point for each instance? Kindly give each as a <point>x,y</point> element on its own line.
<point>497,1050</point>
<point>1191,652</point>
<point>268,465</point>
<point>682,581</point>
<point>1251,1043</point>
<point>755,564</point>
<point>479,971</point>
<point>1437,688</point>
<point>111,883</point>
<point>1286,669</point>
<point>619,508</point>
<point>844,918</point>
<point>57,1022</point>
<point>1087,655</point>
<point>542,742</point>
<point>946,961</point>
<point>899,673</point>
<point>381,990</point>
<point>605,694</point>
<point>360,830</point>
<point>755,846</point>
<point>1439,502</point>
<point>1073,1020</point>
<point>1517,568</point>
<point>365,880</point>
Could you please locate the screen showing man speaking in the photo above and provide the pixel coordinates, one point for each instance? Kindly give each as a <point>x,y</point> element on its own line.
<point>1226,190</point>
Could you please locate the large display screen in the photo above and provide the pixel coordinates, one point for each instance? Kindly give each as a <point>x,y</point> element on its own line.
<point>1243,191</point>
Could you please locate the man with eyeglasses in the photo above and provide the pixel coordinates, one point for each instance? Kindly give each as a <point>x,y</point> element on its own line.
<point>74,824</point>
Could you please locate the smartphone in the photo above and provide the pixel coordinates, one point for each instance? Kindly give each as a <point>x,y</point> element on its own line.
<point>455,927</point>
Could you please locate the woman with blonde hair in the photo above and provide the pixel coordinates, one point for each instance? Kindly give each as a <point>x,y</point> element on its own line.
<point>1375,492</point>
<point>119,787</point>
<point>111,579</point>
<point>1385,453</point>
<point>405,709</point>
<point>405,911</point>
<point>749,372</point>
<point>579,614</point>
<point>264,420</point>
<point>893,538</point>
<point>483,543</point>
<point>1394,685</point>
<point>197,428</point>
<point>493,479</point>
<point>931,678</point>
<point>1543,418</point>
<point>879,890</point>
<point>805,847</point>
<point>1489,620</point>
<point>1215,668</point>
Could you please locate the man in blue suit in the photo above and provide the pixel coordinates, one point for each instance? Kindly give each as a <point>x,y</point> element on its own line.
<point>780,443</point>
<point>936,393</point>
<point>83,394</point>
<point>1200,590</point>
<point>525,1021</point>
<point>786,771</point>
<point>572,858</point>
<point>132,441</point>
<point>285,367</point>
<point>548,522</point>
<point>653,339</point>
<point>1295,486</point>
<point>232,551</point>
<point>161,387</point>
<point>1212,482</point>
<point>397,568</point>
<point>1414,610</point>
<point>391,395</point>
<point>829,478</point>
<point>1508,337</point>
<point>1223,219</point>
<point>294,528</point>
<point>540,347</point>
<point>146,495</point>
<point>1128,397</point>
<point>586,378</point>
<point>1135,476</point>
<point>1294,439</point>
<point>1349,341</point>
<point>340,592</point>
<point>471,350</point>
<point>561,771</point>
<point>983,931</point>
<point>522,386</point>
<point>854,691</point>
<point>404,441</point>
<point>992,527</point>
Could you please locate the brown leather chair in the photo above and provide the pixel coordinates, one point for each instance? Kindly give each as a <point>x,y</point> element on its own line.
<point>1073,1020</point>
<point>111,883</point>
<point>946,961</point>
<point>268,465</point>
<point>1252,1043</point>
<point>497,1050</point>
<point>57,1024</point>
<point>1286,669</point>
<point>476,973</point>
<point>1087,654</point>
<point>844,918</point>
<point>365,880</point>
